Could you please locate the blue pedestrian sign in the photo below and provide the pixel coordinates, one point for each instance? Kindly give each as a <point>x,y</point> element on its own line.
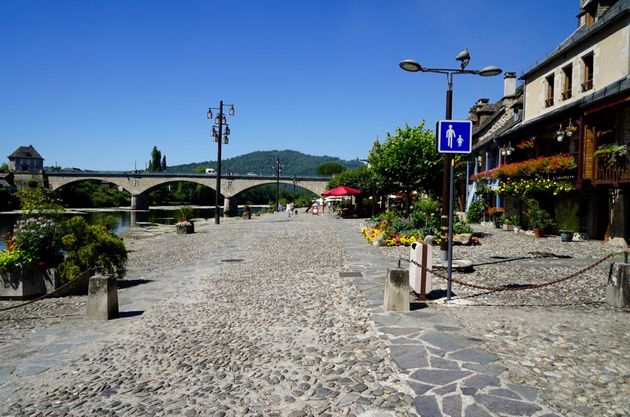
<point>454,136</point>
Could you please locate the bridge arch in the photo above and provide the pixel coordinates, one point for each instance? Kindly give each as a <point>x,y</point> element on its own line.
<point>138,183</point>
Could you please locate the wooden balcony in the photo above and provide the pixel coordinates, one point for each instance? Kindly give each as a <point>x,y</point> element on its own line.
<point>606,173</point>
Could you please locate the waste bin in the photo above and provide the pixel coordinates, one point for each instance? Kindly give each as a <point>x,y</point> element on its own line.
<point>420,278</point>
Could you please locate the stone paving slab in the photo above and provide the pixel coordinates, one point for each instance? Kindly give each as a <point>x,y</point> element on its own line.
<point>450,374</point>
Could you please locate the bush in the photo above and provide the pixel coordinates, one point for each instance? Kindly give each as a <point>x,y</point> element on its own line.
<point>184,213</point>
<point>538,217</point>
<point>424,211</point>
<point>460,227</point>
<point>88,247</point>
<point>38,239</point>
<point>475,212</point>
<point>399,224</point>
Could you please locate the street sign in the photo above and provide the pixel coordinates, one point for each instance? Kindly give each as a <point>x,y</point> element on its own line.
<point>454,136</point>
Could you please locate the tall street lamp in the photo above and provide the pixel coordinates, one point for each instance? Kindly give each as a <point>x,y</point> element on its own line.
<point>219,137</point>
<point>413,66</point>
<point>294,180</point>
<point>277,170</point>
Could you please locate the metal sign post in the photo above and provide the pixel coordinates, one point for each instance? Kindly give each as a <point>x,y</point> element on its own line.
<point>453,136</point>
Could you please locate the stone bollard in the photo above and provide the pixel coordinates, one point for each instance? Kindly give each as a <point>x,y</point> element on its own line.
<point>102,303</point>
<point>618,288</point>
<point>396,290</point>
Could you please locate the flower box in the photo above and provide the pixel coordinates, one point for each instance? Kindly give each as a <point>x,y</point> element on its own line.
<point>26,281</point>
<point>185,227</point>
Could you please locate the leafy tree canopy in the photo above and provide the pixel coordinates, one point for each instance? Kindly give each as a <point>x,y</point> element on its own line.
<point>407,161</point>
<point>360,178</point>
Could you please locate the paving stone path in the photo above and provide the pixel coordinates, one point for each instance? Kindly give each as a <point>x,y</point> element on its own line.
<point>283,317</point>
<point>448,371</point>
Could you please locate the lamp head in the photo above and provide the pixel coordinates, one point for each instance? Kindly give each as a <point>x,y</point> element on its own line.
<point>231,111</point>
<point>209,114</point>
<point>410,65</point>
<point>489,71</point>
<point>463,57</point>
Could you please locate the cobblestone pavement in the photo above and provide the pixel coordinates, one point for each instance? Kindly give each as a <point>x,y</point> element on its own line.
<point>292,325</point>
<point>563,339</point>
<point>261,325</point>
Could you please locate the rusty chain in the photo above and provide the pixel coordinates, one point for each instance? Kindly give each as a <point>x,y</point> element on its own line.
<point>504,288</point>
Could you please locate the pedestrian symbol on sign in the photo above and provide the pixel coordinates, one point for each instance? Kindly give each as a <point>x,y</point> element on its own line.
<point>454,136</point>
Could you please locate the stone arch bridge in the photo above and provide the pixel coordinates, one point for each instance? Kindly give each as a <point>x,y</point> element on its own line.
<point>137,184</point>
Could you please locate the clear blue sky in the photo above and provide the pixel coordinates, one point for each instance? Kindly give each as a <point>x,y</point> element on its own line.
<point>96,84</point>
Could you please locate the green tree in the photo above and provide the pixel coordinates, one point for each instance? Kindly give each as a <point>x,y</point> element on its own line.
<point>360,178</point>
<point>330,168</point>
<point>157,162</point>
<point>32,199</point>
<point>407,161</point>
<point>4,167</point>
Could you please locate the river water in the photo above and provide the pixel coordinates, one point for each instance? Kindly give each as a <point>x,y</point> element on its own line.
<point>117,220</point>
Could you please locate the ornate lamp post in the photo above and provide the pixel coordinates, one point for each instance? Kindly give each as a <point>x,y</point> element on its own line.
<point>294,181</point>
<point>219,136</point>
<point>446,226</point>
<point>277,170</point>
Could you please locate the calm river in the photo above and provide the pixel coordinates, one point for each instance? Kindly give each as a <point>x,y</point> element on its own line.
<point>117,220</point>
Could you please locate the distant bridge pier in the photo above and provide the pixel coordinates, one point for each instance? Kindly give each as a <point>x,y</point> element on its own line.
<point>139,202</point>
<point>230,207</point>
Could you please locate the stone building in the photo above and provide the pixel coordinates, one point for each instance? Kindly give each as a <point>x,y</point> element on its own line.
<point>574,102</point>
<point>25,159</point>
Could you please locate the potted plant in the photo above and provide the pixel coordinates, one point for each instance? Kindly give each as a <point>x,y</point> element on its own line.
<point>509,222</point>
<point>496,214</point>
<point>539,219</point>
<point>568,221</point>
<point>614,155</point>
<point>247,212</point>
<point>184,223</point>
<point>31,253</point>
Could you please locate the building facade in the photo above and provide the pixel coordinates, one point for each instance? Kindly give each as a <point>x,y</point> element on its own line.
<point>25,159</point>
<point>570,121</point>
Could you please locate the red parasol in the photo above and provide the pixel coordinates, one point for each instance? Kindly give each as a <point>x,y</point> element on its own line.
<point>341,190</point>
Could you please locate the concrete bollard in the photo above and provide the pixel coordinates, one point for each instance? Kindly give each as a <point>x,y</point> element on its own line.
<point>396,290</point>
<point>618,288</point>
<point>102,303</point>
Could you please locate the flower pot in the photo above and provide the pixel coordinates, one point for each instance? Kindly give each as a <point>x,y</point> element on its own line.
<point>566,236</point>
<point>185,228</point>
<point>28,281</point>
<point>508,227</point>
<point>539,232</point>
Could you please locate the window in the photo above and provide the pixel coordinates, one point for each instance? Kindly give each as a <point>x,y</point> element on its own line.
<point>587,74</point>
<point>567,73</point>
<point>549,100</point>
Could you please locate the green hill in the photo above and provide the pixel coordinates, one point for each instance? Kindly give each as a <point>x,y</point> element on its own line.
<point>264,162</point>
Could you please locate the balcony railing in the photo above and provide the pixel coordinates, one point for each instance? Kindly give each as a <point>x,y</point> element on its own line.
<point>549,102</point>
<point>566,94</point>
<point>587,85</point>
<point>611,172</point>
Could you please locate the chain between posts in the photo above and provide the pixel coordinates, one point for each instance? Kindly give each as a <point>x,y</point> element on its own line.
<point>523,287</point>
<point>50,294</point>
